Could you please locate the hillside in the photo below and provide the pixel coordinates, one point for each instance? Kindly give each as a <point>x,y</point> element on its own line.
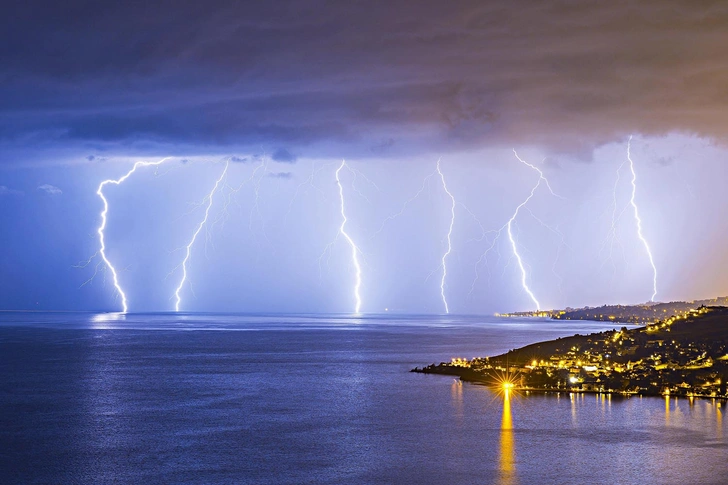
<point>683,355</point>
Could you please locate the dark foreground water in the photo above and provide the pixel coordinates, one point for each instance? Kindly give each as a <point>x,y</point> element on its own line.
<point>220,399</point>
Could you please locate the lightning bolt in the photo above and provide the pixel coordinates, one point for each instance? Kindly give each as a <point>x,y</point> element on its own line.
<point>508,227</point>
<point>342,230</point>
<point>449,241</point>
<point>102,227</point>
<point>514,247</point>
<point>231,197</point>
<point>639,220</point>
<point>202,223</point>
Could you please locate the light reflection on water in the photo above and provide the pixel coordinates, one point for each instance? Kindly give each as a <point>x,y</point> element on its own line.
<point>162,399</point>
<point>683,442</point>
<point>507,455</point>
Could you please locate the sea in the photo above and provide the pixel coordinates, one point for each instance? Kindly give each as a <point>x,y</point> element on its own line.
<point>319,399</point>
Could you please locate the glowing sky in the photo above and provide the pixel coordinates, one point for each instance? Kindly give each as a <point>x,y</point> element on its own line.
<point>91,87</point>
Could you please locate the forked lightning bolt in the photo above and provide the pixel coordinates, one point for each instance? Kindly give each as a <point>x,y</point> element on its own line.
<point>201,225</point>
<point>514,246</point>
<point>508,226</point>
<point>449,241</point>
<point>354,247</point>
<point>639,221</point>
<point>102,227</point>
<point>443,261</point>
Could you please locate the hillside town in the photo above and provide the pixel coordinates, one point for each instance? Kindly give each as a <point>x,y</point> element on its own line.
<point>683,355</point>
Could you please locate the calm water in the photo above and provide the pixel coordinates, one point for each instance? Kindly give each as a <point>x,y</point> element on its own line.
<point>211,399</point>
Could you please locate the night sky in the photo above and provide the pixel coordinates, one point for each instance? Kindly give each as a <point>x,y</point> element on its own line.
<point>284,91</point>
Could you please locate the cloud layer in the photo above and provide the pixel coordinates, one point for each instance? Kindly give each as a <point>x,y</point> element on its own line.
<point>349,79</point>
<point>50,189</point>
<point>5,190</point>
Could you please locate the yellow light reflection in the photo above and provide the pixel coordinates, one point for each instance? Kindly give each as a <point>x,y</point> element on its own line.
<point>507,459</point>
<point>456,393</point>
<point>719,417</point>
<point>667,409</point>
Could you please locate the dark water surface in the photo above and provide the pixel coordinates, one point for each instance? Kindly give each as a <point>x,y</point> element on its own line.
<point>222,399</point>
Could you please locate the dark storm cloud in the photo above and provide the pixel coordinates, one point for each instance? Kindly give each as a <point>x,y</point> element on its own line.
<point>284,156</point>
<point>366,78</point>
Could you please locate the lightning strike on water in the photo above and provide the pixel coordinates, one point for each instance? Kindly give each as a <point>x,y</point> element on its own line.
<point>354,248</point>
<point>425,183</point>
<point>194,236</point>
<point>449,241</point>
<point>102,227</point>
<point>639,221</point>
<point>514,247</point>
<point>508,227</point>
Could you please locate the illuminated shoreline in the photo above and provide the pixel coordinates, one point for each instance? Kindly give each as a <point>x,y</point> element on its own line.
<point>682,356</point>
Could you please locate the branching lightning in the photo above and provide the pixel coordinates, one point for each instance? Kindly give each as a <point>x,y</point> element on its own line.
<point>194,236</point>
<point>514,247</point>
<point>454,203</point>
<point>102,227</point>
<point>639,220</point>
<point>508,227</point>
<point>342,231</point>
<point>449,241</point>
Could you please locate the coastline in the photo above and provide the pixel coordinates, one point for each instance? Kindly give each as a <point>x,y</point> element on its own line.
<point>525,390</point>
<point>684,356</point>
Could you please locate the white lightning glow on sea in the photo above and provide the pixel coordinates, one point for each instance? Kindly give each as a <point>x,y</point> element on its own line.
<point>354,247</point>
<point>102,227</point>
<point>199,228</point>
<point>639,220</point>
<point>449,241</point>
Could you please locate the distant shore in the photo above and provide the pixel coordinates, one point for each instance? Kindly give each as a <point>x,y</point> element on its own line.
<point>682,356</point>
<point>640,314</point>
